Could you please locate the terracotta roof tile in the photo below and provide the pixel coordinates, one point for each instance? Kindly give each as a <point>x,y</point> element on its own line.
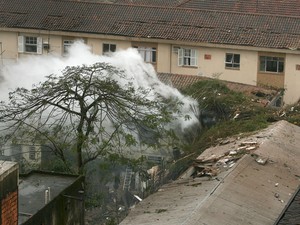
<point>180,81</point>
<point>277,7</point>
<point>168,23</point>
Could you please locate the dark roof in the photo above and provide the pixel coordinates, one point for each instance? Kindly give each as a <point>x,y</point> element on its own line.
<point>32,189</point>
<point>168,3</point>
<point>277,7</point>
<point>169,23</point>
<point>290,214</point>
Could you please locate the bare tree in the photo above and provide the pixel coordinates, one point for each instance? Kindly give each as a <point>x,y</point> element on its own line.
<point>86,110</point>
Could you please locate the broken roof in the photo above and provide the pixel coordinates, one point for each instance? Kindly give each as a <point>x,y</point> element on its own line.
<point>255,179</point>
<point>152,22</point>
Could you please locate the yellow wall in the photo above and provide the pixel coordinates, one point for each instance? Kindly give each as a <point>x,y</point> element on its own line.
<point>163,58</point>
<point>292,79</point>
<point>9,49</point>
<point>210,63</point>
<point>96,44</point>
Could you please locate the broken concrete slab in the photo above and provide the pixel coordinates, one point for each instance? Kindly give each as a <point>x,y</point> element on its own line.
<point>243,194</point>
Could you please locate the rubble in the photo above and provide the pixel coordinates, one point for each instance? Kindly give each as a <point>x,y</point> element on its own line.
<point>211,165</point>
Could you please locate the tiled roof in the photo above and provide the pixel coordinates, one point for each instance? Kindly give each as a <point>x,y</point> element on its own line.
<point>216,27</point>
<point>180,81</point>
<point>277,7</point>
<point>168,3</point>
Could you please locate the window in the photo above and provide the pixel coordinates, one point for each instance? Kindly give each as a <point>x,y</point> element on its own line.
<point>271,64</point>
<point>66,45</point>
<point>147,53</point>
<point>232,61</point>
<point>32,155</point>
<point>30,44</point>
<point>109,48</point>
<point>187,57</point>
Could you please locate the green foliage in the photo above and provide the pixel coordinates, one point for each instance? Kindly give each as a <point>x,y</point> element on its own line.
<point>87,111</point>
<point>57,165</point>
<point>291,113</point>
<point>95,200</point>
<point>111,221</point>
<point>215,96</point>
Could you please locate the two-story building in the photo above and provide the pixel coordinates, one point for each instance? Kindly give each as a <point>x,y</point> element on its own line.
<point>254,42</point>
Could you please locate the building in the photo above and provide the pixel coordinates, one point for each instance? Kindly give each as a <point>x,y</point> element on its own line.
<point>243,180</point>
<point>51,199</point>
<point>252,42</point>
<point>40,197</point>
<point>27,155</point>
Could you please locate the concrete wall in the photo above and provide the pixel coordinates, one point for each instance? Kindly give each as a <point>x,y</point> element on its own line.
<point>8,193</point>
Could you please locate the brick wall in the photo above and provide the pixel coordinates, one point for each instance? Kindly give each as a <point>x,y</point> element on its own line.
<point>9,209</point>
<point>9,174</point>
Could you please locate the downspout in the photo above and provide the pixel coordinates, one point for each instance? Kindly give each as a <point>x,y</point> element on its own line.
<point>1,52</point>
<point>170,70</point>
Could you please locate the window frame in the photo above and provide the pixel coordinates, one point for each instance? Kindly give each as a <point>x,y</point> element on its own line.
<point>111,48</point>
<point>266,61</point>
<point>27,42</point>
<point>187,57</point>
<point>232,63</point>
<point>32,153</point>
<point>67,44</point>
<point>148,53</point>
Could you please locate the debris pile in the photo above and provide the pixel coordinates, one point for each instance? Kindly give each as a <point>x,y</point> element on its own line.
<point>214,164</point>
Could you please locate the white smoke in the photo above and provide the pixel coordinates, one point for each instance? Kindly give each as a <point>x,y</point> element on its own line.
<point>34,69</point>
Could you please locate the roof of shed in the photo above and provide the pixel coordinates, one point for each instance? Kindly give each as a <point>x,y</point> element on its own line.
<point>253,189</point>
<point>32,189</point>
<point>168,23</point>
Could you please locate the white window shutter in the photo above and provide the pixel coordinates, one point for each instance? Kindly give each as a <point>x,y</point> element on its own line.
<point>193,57</point>
<point>21,40</point>
<point>180,57</point>
<point>39,45</point>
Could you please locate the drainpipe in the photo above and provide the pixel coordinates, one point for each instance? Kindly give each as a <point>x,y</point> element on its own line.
<point>1,53</point>
<point>171,58</point>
